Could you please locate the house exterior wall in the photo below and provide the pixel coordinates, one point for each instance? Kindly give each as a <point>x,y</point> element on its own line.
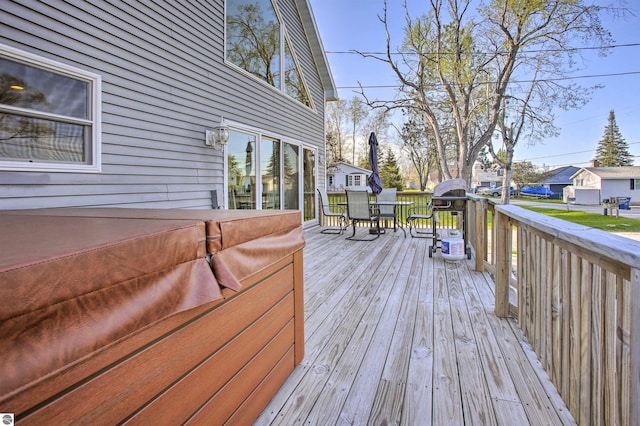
<point>586,179</point>
<point>164,82</point>
<point>619,188</point>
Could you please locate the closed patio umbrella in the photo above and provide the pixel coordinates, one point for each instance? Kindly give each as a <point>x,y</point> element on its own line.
<point>374,180</point>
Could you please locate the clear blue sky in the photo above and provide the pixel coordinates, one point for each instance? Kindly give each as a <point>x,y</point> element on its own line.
<point>347,25</point>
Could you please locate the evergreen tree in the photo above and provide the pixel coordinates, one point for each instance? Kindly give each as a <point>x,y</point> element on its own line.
<point>390,172</point>
<point>612,149</point>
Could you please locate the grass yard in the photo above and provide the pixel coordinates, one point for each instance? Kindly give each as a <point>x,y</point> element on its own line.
<point>594,220</point>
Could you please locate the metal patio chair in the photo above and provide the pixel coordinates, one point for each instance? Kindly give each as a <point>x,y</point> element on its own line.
<point>329,211</point>
<point>421,214</point>
<point>388,212</point>
<point>359,209</point>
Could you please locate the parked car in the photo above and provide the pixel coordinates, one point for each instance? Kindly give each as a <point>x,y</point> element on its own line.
<point>537,191</point>
<point>484,190</point>
<point>497,191</point>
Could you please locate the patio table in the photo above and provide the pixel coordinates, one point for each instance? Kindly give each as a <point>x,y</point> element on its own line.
<point>387,203</point>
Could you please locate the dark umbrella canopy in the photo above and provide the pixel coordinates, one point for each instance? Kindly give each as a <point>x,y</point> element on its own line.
<point>374,180</point>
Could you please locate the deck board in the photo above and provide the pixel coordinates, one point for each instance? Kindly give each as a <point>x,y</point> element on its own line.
<point>396,337</point>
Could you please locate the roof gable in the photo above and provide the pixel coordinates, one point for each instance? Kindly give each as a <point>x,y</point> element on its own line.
<point>317,49</point>
<point>342,167</point>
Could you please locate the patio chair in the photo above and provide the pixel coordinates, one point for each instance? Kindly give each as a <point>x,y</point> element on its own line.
<point>360,210</point>
<point>424,214</point>
<point>328,210</point>
<point>388,211</point>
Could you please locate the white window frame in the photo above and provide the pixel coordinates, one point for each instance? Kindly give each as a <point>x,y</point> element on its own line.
<point>94,122</point>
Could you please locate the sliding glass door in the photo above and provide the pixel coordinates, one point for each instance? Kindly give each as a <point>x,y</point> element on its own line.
<point>267,173</point>
<point>241,170</point>
<point>270,172</point>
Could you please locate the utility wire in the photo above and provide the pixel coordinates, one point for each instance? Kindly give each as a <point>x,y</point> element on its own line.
<point>568,49</point>
<point>395,86</point>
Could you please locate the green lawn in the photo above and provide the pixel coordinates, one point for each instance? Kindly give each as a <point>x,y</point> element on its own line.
<point>594,220</point>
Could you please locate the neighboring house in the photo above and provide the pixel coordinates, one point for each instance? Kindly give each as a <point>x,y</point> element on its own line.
<point>108,104</point>
<point>488,178</point>
<point>559,178</point>
<point>345,175</point>
<point>611,181</point>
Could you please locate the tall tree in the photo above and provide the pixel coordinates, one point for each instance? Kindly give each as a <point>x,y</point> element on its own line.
<point>524,173</point>
<point>613,149</point>
<point>456,64</point>
<point>419,146</point>
<point>335,121</point>
<point>390,172</point>
<point>357,113</point>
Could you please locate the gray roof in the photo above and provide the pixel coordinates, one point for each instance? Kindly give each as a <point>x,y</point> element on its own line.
<point>623,172</point>
<point>562,175</point>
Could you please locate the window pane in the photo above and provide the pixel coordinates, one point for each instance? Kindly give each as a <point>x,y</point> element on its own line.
<point>270,170</point>
<point>29,87</point>
<point>253,38</point>
<point>241,169</point>
<point>291,177</point>
<point>292,80</point>
<point>309,164</point>
<point>27,138</point>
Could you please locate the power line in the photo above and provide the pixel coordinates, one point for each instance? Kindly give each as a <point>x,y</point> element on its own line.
<point>395,86</point>
<point>574,153</point>
<point>567,49</point>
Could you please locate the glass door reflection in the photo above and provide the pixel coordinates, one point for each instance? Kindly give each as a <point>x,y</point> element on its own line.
<point>270,173</point>
<point>241,170</point>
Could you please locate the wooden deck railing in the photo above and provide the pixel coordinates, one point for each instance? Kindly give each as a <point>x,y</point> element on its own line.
<point>418,198</point>
<point>575,292</point>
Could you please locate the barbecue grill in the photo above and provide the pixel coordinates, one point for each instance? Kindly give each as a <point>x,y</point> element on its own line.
<point>450,196</point>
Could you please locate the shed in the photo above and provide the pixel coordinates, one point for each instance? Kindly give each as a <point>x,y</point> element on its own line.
<point>584,196</point>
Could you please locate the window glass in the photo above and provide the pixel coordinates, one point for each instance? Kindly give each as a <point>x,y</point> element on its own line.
<point>46,114</point>
<point>293,83</point>
<point>28,87</point>
<point>309,183</point>
<point>253,38</point>
<point>291,177</point>
<point>270,171</point>
<point>45,140</point>
<point>241,170</point>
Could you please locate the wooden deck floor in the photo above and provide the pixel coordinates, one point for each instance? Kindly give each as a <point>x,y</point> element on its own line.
<point>393,337</point>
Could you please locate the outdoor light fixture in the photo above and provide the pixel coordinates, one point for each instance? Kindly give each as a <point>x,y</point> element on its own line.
<point>218,137</point>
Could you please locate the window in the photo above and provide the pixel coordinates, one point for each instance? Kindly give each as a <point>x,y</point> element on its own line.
<point>257,43</point>
<point>634,184</point>
<point>49,115</point>
<point>354,180</point>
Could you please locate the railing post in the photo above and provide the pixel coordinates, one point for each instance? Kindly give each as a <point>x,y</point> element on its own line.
<point>480,243</point>
<point>634,392</point>
<point>502,249</point>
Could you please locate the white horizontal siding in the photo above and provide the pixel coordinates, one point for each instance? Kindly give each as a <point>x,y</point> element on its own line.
<point>164,83</point>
